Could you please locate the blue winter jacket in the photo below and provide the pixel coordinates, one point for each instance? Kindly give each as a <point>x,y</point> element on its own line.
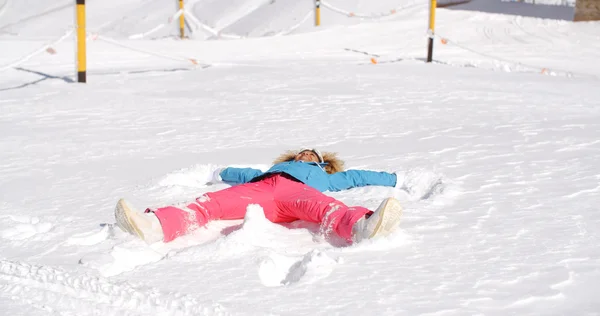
<point>312,174</point>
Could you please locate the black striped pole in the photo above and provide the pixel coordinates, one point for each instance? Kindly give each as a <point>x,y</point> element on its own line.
<point>317,12</point>
<point>181,21</point>
<point>431,31</point>
<point>81,45</point>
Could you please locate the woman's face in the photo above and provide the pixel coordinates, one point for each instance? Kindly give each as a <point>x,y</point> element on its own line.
<point>307,156</point>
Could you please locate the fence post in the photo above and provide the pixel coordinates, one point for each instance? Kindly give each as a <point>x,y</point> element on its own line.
<point>431,31</point>
<point>181,21</point>
<point>81,41</point>
<point>317,12</point>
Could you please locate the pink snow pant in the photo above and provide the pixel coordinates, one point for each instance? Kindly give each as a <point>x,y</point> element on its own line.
<point>283,200</point>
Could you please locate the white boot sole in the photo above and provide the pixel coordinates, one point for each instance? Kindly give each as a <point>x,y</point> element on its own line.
<point>123,216</point>
<point>390,212</point>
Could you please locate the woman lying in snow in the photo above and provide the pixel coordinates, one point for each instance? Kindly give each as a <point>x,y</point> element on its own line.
<point>290,190</point>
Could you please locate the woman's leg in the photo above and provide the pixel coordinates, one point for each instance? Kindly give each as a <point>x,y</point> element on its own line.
<point>295,200</point>
<point>225,204</point>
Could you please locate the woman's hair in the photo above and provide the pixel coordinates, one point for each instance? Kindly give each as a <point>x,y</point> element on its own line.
<point>333,163</point>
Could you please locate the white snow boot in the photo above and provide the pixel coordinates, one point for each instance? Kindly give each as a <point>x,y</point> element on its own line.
<point>144,225</point>
<point>382,222</point>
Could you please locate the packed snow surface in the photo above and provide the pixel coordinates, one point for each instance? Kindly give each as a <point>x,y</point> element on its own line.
<point>507,116</point>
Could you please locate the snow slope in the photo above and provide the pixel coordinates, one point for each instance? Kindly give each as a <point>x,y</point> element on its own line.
<point>553,10</point>
<point>507,116</point>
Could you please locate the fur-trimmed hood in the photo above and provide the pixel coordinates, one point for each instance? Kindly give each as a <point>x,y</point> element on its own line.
<point>332,163</point>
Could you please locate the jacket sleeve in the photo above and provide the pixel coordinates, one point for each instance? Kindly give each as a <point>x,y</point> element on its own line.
<point>239,175</point>
<point>360,178</point>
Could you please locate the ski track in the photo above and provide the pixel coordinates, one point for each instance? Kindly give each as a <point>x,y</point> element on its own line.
<point>35,16</point>
<point>5,4</point>
<point>59,292</point>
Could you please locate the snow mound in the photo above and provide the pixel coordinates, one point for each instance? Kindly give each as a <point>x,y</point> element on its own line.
<point>257,231</point>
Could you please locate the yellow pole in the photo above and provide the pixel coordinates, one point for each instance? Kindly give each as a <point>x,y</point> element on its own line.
<point>431,31</point>
<point>181,21</point>
<point>81,53</point>
<point>317,12</point>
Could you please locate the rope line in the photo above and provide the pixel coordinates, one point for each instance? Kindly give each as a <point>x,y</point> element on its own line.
<point>371,15</point>
<point>209,29</point>
<point>308,15</point>
<point>174,17</point>
<point>220,34</point>
<point>45,48</point>
<point>542,70</point>
<point>116,43</point>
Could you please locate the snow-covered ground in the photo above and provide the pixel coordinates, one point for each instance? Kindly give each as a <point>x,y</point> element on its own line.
<point>508,115</point>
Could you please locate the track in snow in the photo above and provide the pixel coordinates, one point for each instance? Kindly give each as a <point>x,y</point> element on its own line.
<point>62,293</point>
